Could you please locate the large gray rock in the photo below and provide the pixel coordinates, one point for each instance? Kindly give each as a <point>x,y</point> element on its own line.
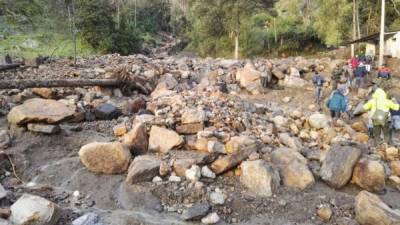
<point>163,140</point>
<point>259,177</point>
<point>293,168</point>
<point>107,158</point>
<point>338,165</point>
<point>143,168</point>
<point>88,219</point>
<point>371,210</point>
<point>34,210</point>
<point>40,110</point>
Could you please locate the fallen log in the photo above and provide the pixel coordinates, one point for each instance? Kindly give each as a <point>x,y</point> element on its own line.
<point>22,84</point>
<point>9,66</point>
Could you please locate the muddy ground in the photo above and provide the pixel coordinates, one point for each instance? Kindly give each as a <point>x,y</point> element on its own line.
<point>50,167</point>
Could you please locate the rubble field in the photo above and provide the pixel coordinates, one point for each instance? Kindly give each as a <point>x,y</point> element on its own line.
<point>208,146</point>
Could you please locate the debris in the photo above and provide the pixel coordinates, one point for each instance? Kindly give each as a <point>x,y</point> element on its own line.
<point>44,128</point>
<point>196,212</point>
<point>143,168</point>
<point>163,140</point>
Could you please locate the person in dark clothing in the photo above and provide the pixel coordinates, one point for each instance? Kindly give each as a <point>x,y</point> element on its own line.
<point>336,75</point>
<point>359,73</point>
<point>266,75</point>
<point>318,82</point>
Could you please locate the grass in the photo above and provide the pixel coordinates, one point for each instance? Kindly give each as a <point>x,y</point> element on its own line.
<point>61,45</point>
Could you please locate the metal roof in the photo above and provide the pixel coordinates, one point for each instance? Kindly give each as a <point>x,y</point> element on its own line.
<point>373,38</point>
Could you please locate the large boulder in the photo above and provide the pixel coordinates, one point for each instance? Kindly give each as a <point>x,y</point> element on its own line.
<point>143,168</point>
<point>163,140</point>
<point>369,175</point>
<point>259,177</point>
<point>249,78</point>
<point>40,110</point>
<point>107,158</point>
<point>294,82</point>
<point>318,121</point>
<point>137,139</point>
<point>34,210</point>
<point>337,168</point>
<point>293,168</point>
<point>371,210</point>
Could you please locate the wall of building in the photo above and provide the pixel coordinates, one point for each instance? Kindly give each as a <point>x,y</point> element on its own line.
<point>392,46</point>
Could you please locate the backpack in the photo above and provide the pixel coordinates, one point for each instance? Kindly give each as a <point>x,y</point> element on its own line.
<point>380,117</point>
<point>319,81</point>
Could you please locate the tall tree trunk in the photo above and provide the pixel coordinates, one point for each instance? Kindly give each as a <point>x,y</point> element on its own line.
<point>354,28</point>
<point>71,17</point>
<point>358,20</point>
<point>236,45</point>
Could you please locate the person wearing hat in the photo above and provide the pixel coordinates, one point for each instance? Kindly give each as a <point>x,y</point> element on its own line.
<point>337,103</point>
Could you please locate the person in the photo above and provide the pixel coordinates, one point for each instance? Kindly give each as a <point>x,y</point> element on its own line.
<point>318,81</point>
<point>337,103</point>
<point>266,74</point>
<point>368,63</point>
<point>383,78</point>
<point>379,107</point>
<point>359,74</point>
<point>354,62</point>
<point>336,75</point>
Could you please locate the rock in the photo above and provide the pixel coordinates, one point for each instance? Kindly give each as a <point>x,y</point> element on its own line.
<point>196,212</point>
<point>143,169</point>
<point>249,78</point>
<point>137,139</point>
<point>294,82</point>
<point>106,112</point>
<point>40,110</point>
<point>286,99</point>
<point>43,128</point>
<point>181,165</point>
<point>157,179</point>
<point>318,121</point>
<point>293,168</point>
<point>193,174</point>
<point>337,168</point>
<point>193,128</point>
<point>120,130</point>
<point>88,219</point>
<point>5,140</point>
<point>228,162</point>
<point>238,143</point>
<point>371,210</point>
<point>211,218</point>
<point>4,213</point>
<point>391,154</point>
<point>165,169</point>
<point>163,140</point>
<point>361,137</point>
<point>325,213</point>
<point>278,73</point>
<point>217,198</point>
<point>193,116</point>
<point>369,175</point>
<point>395,167</point>
<point>161,90</point>
<point>174,178</point>
<point>3,192</point>
<point>289,141</point>
<point>206,172</point>
<point>359,126</point>
<point>5,222</point>
<point>259,177</point>
<point>216,147</point>
<point>201,144</point>
<point>137,104</point>
<point>43,92</point>
<point>254,156</point>
<point>30,209</point>
<point>107,158</point>
<point>30,43</point>
<point>280,121</point>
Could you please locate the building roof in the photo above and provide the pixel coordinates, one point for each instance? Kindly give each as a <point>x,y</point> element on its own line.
<point>373,38</point>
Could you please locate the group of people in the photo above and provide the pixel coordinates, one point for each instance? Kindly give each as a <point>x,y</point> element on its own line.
<point>384,114</point>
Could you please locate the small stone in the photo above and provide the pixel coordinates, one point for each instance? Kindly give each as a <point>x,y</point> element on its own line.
<point>157,179</point>
<point>137,104</point>
<point>289,141</point>
<point>192,128</point>
<point>228,162</point>
<point>165,169</point>
<point>238,143</point>
<point>217,198</point>
<point>44,128</point>
<point>120,130</point>
<point>216,147</point>
<point>43,92</point>
<point>5,140</point>
<point>196,212</point>
<point>174,178</point>
<point>193,116</point>
<point>3,192</point>
<point>359,126</point>
<point>286,99</point>
<point>395,167</point>
<point>206,172</point>
<point>361,137</point>
<point>254,156</point>
<point>211,218</point>
<point>137,139</point>
<point>318,121</point>
<point>391,154</point>
<point>280,121</point>
<point>88,219</point>
<point>5,213</point>
<point>30,209</point>
<point>325,213</point>
<point>194,173</point>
